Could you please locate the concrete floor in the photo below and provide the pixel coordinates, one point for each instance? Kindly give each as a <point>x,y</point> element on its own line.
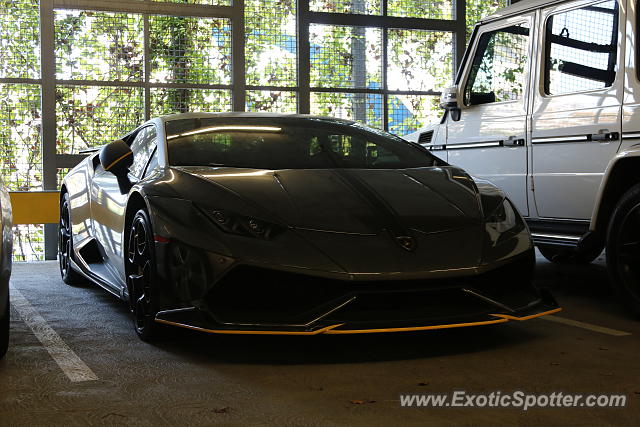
<point>198,379</point>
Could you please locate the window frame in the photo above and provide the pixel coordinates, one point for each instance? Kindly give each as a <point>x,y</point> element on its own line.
<point>480,31</point>
<point>545,46</point>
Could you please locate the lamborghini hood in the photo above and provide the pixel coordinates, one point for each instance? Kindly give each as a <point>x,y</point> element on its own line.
<point>386,213</point>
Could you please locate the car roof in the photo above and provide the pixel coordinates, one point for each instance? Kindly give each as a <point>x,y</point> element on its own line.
<point>243,115</point>
<point>518,8</point>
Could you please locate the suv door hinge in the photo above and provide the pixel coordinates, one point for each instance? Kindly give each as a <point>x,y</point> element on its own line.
<point>533,186</point>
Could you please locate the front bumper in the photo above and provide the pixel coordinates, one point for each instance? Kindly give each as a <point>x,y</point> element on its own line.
<point>251,300</point>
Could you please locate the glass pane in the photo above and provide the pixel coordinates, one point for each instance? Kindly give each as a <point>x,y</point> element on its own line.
<point>478,9</point>
<point>345,57</point>
<point>190,50</point>
<point>419,60</point>
<point>99,46</point>
<point>171,101</point>
<point>361,107</point>
<point>408,113</point>
<point>272,100</point>
<point>271,42</point>
<point>28,242</point>
<point>20,154</point>
<point>362,7</point>
<point>20,39</point>
<point>498,69</point>
<point>205,2</point>
<point>427,9</point>
<point>583,48</point>
<point>87,116</point>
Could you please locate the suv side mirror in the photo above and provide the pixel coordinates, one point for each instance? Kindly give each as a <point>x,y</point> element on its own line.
<point>449,100</point>
<point>116,157</point>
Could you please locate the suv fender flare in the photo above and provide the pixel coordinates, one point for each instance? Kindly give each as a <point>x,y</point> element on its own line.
<point>617,179</point>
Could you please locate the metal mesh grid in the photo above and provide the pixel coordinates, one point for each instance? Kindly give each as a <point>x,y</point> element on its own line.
<point>273,101</point>
<point>593,25</point>
<point>345,57</point>
<point>98,46</point>
<point>171,101</point>
<point>19,39</point>
<point>190,50</point>
<point>498,70</point>
<point>28,242</point>
<point>87,116</point>
<point>408,113</point>
<point>419,60</point>
<point>60,174</point>
<point>428,9</point>
<point>20,153</point>
<point>362,107</point>
<point>204,2</point>
<point>478,9</point>
<point>361,7</point>
<point>271,41</point>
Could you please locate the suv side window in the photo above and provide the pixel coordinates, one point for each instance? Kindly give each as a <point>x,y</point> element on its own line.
<point>581,48</point>
<point>142,147</point>
<point>499,66</point>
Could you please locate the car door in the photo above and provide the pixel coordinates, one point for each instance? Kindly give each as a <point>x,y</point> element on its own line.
<point>109,200</point>
<point>576,117</point>
<point>490,138</point>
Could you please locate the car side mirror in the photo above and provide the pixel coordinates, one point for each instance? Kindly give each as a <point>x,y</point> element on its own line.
<point>116,157</point>
<point>450,101</point>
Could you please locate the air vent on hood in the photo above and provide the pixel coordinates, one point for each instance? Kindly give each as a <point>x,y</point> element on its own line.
<point>425,137</point>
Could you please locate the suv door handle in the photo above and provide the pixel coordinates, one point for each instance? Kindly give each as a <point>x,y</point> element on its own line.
<point>512,141</point>
<point>604,137</point>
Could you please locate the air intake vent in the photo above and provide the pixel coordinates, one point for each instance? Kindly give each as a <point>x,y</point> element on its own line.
<point>425,137</point>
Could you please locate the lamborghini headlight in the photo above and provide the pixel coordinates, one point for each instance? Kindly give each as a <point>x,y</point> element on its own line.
<point>503,218</point>
<point>503,223</point>
<point>233,223</point>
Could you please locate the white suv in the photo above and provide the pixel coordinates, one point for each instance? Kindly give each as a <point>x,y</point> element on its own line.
<point>547,106</point>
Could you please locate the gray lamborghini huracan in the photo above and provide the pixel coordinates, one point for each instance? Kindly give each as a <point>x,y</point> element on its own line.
<point>291,224</point>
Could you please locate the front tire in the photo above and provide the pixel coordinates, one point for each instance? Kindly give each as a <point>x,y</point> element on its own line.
<point>4,330</point>
<point>623,248</point>
<point>65,245</point>
<point>140,268</point>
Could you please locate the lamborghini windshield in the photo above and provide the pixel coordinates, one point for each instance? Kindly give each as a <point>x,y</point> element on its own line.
<point>288,143</point>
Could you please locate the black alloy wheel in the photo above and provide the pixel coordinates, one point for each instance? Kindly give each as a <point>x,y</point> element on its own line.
<point>140,270</point>
<point>623,248</point>
<point>65,245</point>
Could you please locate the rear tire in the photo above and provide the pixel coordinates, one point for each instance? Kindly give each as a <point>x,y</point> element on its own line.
<point>140,269</point>
<point>65,245</point>
<point>562,255</point>
<point>4,330</point>
<point>623,248</point>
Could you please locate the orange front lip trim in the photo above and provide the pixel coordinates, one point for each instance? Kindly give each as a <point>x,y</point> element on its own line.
<point>502,318</point>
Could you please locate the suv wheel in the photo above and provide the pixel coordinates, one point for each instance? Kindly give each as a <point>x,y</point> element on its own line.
<point>623,248</point>
<point>563,255</point>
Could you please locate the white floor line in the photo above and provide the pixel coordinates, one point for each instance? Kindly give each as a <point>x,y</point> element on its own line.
<point>69,362</point>
<point>584,325</point>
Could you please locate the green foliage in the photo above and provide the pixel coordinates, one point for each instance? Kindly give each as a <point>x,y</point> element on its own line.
<point>270,42</point>
<point>19,39</point>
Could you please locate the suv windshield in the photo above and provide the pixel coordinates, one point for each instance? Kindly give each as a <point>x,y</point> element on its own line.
<point>259,143</point>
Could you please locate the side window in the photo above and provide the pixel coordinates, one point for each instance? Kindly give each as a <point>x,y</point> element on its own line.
<point>142,147</point>
<point>499,66</point>
<point>153,163</point>
<point>581,49</point>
